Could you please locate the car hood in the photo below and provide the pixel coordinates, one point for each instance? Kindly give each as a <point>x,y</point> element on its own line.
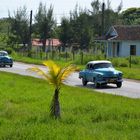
<point>108,71</point>
<point>8,57</point>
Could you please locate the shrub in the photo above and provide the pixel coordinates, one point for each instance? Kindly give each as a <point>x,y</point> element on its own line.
<point>64,55</point>
<point>135,60</point>
<point>119,62</point>
<point>123,64</point>
<point>9,50</point>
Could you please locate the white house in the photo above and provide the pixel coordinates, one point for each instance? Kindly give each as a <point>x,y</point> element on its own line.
<point>121,41</point>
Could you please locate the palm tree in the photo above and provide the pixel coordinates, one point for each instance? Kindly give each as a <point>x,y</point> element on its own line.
<point>56,76</point>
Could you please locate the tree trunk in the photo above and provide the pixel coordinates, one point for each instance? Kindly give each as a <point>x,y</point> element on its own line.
<point>55,106</point>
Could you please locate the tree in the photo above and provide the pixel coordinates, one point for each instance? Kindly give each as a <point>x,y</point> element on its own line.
<point>131,16</point>
<point>56,76</point>
<point>20,26</point>
<point>66,33</point>
<point>44,23</point>
<point>85,30</point>
<point>96,16</point>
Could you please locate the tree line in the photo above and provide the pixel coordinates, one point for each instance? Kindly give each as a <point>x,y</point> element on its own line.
<point>78,30</point>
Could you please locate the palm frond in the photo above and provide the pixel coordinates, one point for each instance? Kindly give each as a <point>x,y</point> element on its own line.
<point>66,72</point>
<point>55,75</point>
<point>53,67</point>
<point>41,73</point>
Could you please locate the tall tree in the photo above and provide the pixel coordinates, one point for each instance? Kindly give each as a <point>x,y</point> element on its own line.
<point>66,33</point>
<point>44,23</point>
<point>131,16</point>
<point>96,16</point>
<point>82,28</point>
<point>20,26</point>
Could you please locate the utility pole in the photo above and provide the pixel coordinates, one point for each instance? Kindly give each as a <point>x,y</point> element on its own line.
<point>103,9</point>
<point>30,35</point>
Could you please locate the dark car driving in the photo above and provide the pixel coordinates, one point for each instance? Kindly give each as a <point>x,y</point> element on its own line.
<point>5,59</point>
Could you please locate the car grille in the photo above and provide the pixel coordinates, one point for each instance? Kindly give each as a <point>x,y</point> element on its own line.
<point>108,78</point>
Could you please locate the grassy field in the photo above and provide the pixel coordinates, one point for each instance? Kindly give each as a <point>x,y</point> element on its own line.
<point>130,73</point>
<point>86,114</point>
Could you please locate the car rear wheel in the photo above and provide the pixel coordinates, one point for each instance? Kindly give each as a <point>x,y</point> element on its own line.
<point>119,84</point>
<point>84,82</point>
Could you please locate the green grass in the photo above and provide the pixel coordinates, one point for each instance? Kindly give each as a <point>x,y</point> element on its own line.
<point>25,59</point>
<point>85,114</point>
<point>130,73</point>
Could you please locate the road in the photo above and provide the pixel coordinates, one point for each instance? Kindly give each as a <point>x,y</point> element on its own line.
<point>130,88</point>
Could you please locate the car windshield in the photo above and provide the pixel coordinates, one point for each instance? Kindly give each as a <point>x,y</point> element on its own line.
<point>3,54</point>
<point>102,65</point>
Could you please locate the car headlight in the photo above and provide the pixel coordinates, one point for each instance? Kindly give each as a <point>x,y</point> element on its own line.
<point>120,76</point>
<point>99,76</point>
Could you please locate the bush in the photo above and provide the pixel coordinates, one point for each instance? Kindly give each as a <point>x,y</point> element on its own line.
<point>83,58</point>
<point>135,60</point>
<point>123,64</point>
<point>9,50</point>
<point>64,55</point>
<point>119,62</point>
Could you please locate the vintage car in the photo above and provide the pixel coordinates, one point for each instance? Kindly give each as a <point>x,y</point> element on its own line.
<point>101,73</point>
<point>5,59</point>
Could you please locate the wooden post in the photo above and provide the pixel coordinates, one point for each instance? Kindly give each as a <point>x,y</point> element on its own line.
<point>82,57</point>
<point>73,55</point>
<point>66,55</point>
<point>130,61</point>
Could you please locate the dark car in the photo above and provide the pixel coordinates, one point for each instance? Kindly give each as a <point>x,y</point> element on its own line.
<point>5,59</point>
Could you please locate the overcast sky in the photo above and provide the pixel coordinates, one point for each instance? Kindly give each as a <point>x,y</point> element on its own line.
<point>61,7</point>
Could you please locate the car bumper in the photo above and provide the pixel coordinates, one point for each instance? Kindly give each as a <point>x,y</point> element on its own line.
<point>109,81</point>
<point>6,63</point>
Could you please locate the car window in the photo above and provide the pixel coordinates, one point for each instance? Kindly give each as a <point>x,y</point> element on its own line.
<point>89,66</point>
<point>3,54</point>
<point>103,65</point>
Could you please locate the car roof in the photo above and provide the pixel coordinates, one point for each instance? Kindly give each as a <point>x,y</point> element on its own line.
<point>99,61</point>
<point>3,52</point>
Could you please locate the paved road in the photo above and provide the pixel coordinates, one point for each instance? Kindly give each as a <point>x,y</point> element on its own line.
<point>130,88</point>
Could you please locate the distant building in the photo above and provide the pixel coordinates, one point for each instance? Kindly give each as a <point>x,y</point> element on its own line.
<point>121,41</point>
<point>51,44</point>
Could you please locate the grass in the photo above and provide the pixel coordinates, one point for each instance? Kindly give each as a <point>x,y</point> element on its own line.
<point>130,73</point>
<point>25,59</point>
<point>86,114</point>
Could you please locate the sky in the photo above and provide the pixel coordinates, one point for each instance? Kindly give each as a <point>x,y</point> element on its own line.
<point>61,7</point>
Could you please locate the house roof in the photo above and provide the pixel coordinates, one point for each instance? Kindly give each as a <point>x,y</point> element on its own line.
<point>52,42</point>
<point>127,32</point>
<point>122,32</point>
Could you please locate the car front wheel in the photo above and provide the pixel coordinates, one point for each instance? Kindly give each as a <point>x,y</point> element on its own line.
<point>84,82</point>
<point>119,84</point>
<point>97,85</point>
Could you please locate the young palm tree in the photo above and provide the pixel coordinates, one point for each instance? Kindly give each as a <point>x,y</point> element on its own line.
<point>56,76</point>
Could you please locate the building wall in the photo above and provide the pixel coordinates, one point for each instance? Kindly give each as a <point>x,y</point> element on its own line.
<point>124,48</point>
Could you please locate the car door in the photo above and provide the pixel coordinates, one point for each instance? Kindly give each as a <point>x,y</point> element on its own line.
<point>90,72</point>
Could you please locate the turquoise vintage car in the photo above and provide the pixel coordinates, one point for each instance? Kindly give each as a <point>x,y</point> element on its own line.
<point>101,73</point>
<point>5,59</point>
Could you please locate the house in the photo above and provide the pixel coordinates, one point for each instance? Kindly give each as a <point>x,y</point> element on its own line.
<point>51,44</point>
<point>121,41</point>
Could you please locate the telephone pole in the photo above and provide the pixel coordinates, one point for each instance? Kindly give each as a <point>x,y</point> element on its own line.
<point>103,9</point>
<point>30,35</point>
